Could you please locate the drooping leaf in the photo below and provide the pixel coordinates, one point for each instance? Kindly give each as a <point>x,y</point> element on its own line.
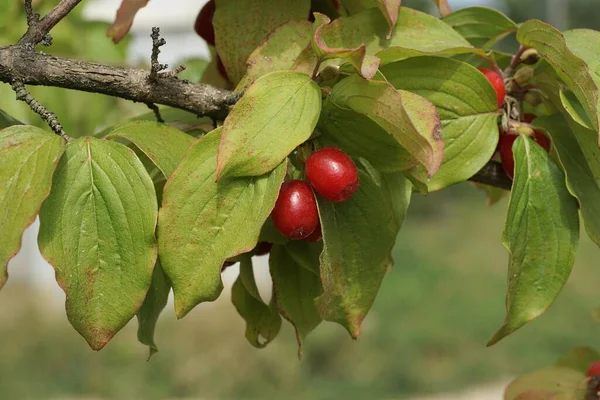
<point>161,143</point>
<point>124,19</point>
<point>203,222</point>
<point>366,65</point>
<point>155,302</point>
<point>400,194</point>
<point>360,136</point>
<point>482,26</point>
<point>241,25</point>
<point>6,120</point>
<point>581,170</point>
<point>97,231</point>
<point>551,383</point>
<point>305,254</point>
<point>278,51</point>
<point>262,321</point>
<point>584,44</point>
<point>551,45</point>
<point>579,358</point>
<point>541,235</point>
<point>275,115</point>
<point>28,158</point>
<point>358,236</point>
<point>408,118</point>
<point>295,289</point>
<point>443,7</point>
<point>467,107</point>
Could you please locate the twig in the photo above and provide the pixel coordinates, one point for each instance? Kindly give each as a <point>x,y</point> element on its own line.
<point>38,30</point>
<point>157,115</point>
<point>33,19</point>
<point>514,62</point>
<point>31,68</point>
<point>493,174</point>
<point>157,42</point>
<point>36,107</point>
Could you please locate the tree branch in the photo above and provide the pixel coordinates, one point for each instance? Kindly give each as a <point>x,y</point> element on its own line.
<point>18,63</point>
<point>38,29</point>
<point>493,174</point>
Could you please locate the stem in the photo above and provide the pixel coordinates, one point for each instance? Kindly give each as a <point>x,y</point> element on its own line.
<point>38,30</point>
<point>514,63</point>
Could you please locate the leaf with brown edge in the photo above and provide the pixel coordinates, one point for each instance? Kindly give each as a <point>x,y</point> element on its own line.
<point>203,222</point>
<point>28,158</point>
<point>365,64</point>
<point>358,236</point>
<point>262,321</point>
<point>295,287</point>
<point>278,51</point>
<point>390,9</point>
<point>97,231</point>
<point>276,114</point>
<point>124,19</point>
<point>443,6</point>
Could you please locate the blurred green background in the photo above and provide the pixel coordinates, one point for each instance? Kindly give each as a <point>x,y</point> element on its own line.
<point>425,334</point>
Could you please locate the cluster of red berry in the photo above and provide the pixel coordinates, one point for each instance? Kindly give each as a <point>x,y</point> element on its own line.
<point>204,28</point>
<point>332,174</point>
<point>508,137</point>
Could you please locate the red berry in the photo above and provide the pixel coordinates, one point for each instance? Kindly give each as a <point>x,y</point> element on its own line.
<point>594,369</point>
<point>295,214</point>
<point>506,154</point>
<point>262,248</point>
<point>528,118</point>
<point>316,235</point>
<point>332,174</point>
<point>204,23</point>
<point>497,82</point>
<point>221,68</point>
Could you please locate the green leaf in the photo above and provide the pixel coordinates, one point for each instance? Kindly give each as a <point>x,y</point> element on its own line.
<point>97,231</point>
<point>396,53</point>
<point>28,158</point>
<point>551,45</point>
<point>467,107</point>
<point>584,44</point>
<point>414,30</point>
<point>179,119</point>
<point>162,144</point>
<point>262,321</point>
<point>278,51</point>
<point>294,291</point>
<point>581,170</point>
<point>541,235</point>
<point>275,115</point>
<point>203,222</point>
<point>6,120</point>
<point>241,25</point>
<point>305,254</point>
<point>366,65</point>
<point>579,358</point>
<point>551,383</point>
<point>360,136</point>
<point>358,236</point>
<point>410,119</point>
<point>483,27</point>
<point>155,302</point>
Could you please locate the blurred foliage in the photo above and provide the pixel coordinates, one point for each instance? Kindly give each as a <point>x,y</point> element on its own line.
<point>427,331</point>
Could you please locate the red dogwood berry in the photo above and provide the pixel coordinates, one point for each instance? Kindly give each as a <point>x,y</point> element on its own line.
<point>332,174</point>
<point>497,82</point>
<point>295,214</point>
